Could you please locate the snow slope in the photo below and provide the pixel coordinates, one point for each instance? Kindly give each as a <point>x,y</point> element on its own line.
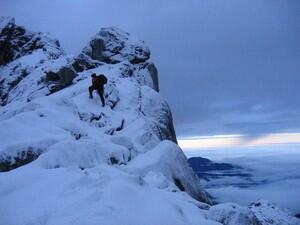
<point>65,160</point>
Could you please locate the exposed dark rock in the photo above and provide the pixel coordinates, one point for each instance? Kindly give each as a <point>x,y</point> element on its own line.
<point>154,75</point>
<point>169,132</point>
<point>179,184</point>
<point>60,79</point>
<point>98,48</point>
<point>77,135</point>
<point>257,204</point>
<point>119,128</point>
<point>126,69</point>
<point>95,117</point>
<point>112,131</point>
<point>8,163</point>
<point>113,160</point>
<point>84,62</point>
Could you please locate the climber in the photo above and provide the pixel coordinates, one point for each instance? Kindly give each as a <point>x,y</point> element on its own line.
<point>98,85</point>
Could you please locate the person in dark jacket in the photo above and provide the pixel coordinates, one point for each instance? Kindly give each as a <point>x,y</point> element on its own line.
<point>98,85</point>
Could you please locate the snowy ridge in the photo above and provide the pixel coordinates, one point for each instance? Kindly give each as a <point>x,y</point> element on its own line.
<point>16,41</point>
<point>24,53</point>
<point>66,160</point>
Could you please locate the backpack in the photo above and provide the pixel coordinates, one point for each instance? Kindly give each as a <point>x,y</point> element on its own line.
<point>102,78</point>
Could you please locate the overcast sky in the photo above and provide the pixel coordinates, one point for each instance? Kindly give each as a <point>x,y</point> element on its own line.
<point>225,66</point>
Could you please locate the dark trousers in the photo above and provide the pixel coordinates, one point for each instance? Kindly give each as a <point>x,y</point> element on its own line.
<point>100,92</point>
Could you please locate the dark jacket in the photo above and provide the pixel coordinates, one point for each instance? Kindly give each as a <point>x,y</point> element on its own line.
<point>99,81</point>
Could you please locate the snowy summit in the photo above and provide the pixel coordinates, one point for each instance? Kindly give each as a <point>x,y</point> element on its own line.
<point>66,160</point>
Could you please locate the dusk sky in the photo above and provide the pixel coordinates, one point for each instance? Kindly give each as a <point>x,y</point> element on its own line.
<point>225,66</point>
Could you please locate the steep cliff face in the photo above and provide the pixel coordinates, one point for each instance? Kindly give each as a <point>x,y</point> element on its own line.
<point>65,159</point>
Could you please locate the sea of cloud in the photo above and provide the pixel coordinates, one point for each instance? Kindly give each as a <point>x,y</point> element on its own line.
<point>275,173</point>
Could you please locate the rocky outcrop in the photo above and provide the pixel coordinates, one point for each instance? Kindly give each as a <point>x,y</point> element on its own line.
<point>16,41</point>
<point>270,214</point>
<point>154,75</point>
<point>60,79</point>
<point>232,214</point>
<point>146,73</point>
<point>24,53</point>
<point>112,45</point>
<point>84,62</point>
<point>22,158</point>
<point>161,160</point>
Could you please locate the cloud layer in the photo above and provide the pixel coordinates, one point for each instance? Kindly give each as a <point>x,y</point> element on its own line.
<point>274,169</point>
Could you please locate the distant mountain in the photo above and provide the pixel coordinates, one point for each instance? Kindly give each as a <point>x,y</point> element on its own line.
<point>207,169</point>
<point>203,165</point>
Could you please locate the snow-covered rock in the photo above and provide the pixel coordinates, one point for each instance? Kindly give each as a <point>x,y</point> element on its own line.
<point>161,161</point>
<point>112,45</point>
<point>16,41</point>
<point>260,212</point>
<point>232,214</point>
<point>269,213</point>
<point>34,56</point>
